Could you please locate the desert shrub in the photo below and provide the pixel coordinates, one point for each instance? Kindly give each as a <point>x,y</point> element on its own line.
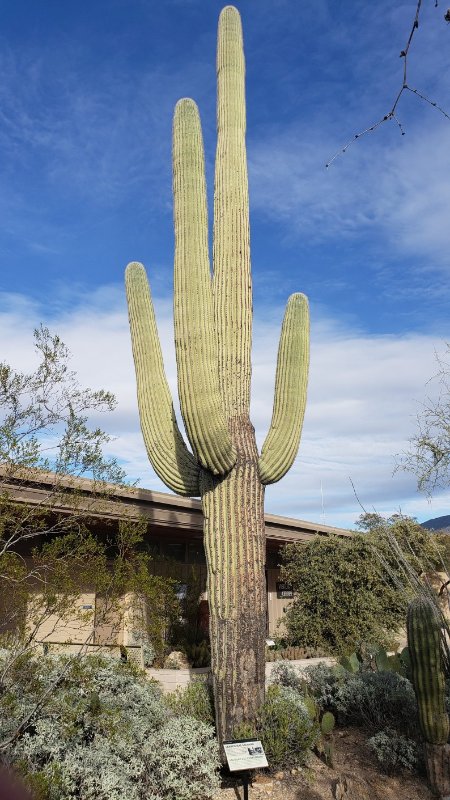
<point>180,764</point>
<point>194,700</point>
<point>285,674</point>
<point>323,683</point>
<point>374,700</point>
<point>377,700</point>
<point>393,750</point>
<point>285,728</point>
<point>101,732</point>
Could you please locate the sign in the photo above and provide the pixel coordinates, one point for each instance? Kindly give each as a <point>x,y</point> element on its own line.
<point>285,591</point>
<point>245,754</point>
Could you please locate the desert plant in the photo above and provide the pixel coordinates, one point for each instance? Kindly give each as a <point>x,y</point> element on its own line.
<point>285,674</point>
<point>323,682</point>
<point>286,728</point>
<point>393,750</point>
<point>198,654</point>
<point>341,597</point>
<point>104,732</point>
<point>325,722</point>
<point>181,763</point>
<point>424,626</point>
<point>194,700</point>
<point>376,659</point>
<point>350,663</point>
<point>213,342</point>
<point>356,589</point>
<point>376,700</point>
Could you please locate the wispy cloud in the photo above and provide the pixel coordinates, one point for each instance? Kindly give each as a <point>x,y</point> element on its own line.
<point>103,135</point>
<point>400,193</point>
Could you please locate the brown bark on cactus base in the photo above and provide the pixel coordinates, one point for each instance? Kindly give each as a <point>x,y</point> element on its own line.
<point>437,759</point>
<point>234,536</point>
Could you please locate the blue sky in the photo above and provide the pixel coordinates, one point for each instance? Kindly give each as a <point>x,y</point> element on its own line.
<point>86,102</point>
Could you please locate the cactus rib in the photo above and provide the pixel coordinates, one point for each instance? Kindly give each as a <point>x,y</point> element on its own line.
<point>195,336</point>
<point>232,280</point>
<point>424,643</point>
<point>171,459</point>
<point>283,439</point>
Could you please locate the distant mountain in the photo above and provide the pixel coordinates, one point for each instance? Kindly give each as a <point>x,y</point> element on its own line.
<point>438,524</point>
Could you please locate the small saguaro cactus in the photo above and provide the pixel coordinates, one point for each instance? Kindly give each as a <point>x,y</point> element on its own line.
<point>213,322</point>
<point>424,627</point>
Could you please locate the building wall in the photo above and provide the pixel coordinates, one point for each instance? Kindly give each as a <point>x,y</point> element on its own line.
<point>76,628</point>
<point>276,606</point>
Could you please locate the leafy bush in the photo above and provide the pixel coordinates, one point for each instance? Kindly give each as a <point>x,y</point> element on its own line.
<point>374,700</point>
<point>198,653</point>
<point>104,733</point>
<point>351,590</point>
<point>286,730</point>
<point>194,700</point>
<point>393,750</point>
<point>377,700</point>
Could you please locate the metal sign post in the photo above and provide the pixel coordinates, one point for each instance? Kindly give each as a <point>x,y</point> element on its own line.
<point>245,783</point>
<point>244,755</point>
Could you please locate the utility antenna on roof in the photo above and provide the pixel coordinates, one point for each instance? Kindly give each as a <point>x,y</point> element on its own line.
<point>322,516</point>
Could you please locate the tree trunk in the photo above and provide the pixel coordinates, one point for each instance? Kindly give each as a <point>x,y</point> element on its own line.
<point>234,535</point>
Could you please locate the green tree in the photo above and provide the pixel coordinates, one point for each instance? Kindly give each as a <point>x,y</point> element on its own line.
<point>50,552</point>
<point>353,590</point>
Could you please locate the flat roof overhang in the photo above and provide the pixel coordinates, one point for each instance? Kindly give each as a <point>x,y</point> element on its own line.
<point>159,508</point>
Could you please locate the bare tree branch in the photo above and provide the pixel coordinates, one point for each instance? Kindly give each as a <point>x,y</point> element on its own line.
<point>405,87</point>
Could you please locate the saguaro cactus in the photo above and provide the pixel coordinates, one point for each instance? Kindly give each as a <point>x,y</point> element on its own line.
<point>213,320</point>
<point>425,648</point>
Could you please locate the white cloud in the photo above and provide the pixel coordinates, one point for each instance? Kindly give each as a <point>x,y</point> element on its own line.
<point>364,394</point>
<point>400,191</point>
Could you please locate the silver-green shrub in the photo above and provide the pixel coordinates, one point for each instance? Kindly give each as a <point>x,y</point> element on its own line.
<point>323,682</point>
<point>101,733</point>
<point>394,750</point>
<point>180,761</point>
<point>377,700</point>
<point>285,674</point>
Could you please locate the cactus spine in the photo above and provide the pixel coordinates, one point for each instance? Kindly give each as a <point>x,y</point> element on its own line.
<point>425,650</point>
<point>213,321</point>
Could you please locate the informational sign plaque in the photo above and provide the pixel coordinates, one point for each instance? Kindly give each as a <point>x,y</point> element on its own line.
<point>245,754</point>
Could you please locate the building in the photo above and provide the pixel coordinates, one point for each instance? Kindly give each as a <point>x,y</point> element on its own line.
<point>174,535</point>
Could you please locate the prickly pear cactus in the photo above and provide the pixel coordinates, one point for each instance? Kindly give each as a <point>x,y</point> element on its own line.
<point>324,746</point>
<point>425,652</point>
<point>213,322</point>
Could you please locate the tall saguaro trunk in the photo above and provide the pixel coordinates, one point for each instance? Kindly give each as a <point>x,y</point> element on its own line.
<point>213,325</point>
<point>233,509</point>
